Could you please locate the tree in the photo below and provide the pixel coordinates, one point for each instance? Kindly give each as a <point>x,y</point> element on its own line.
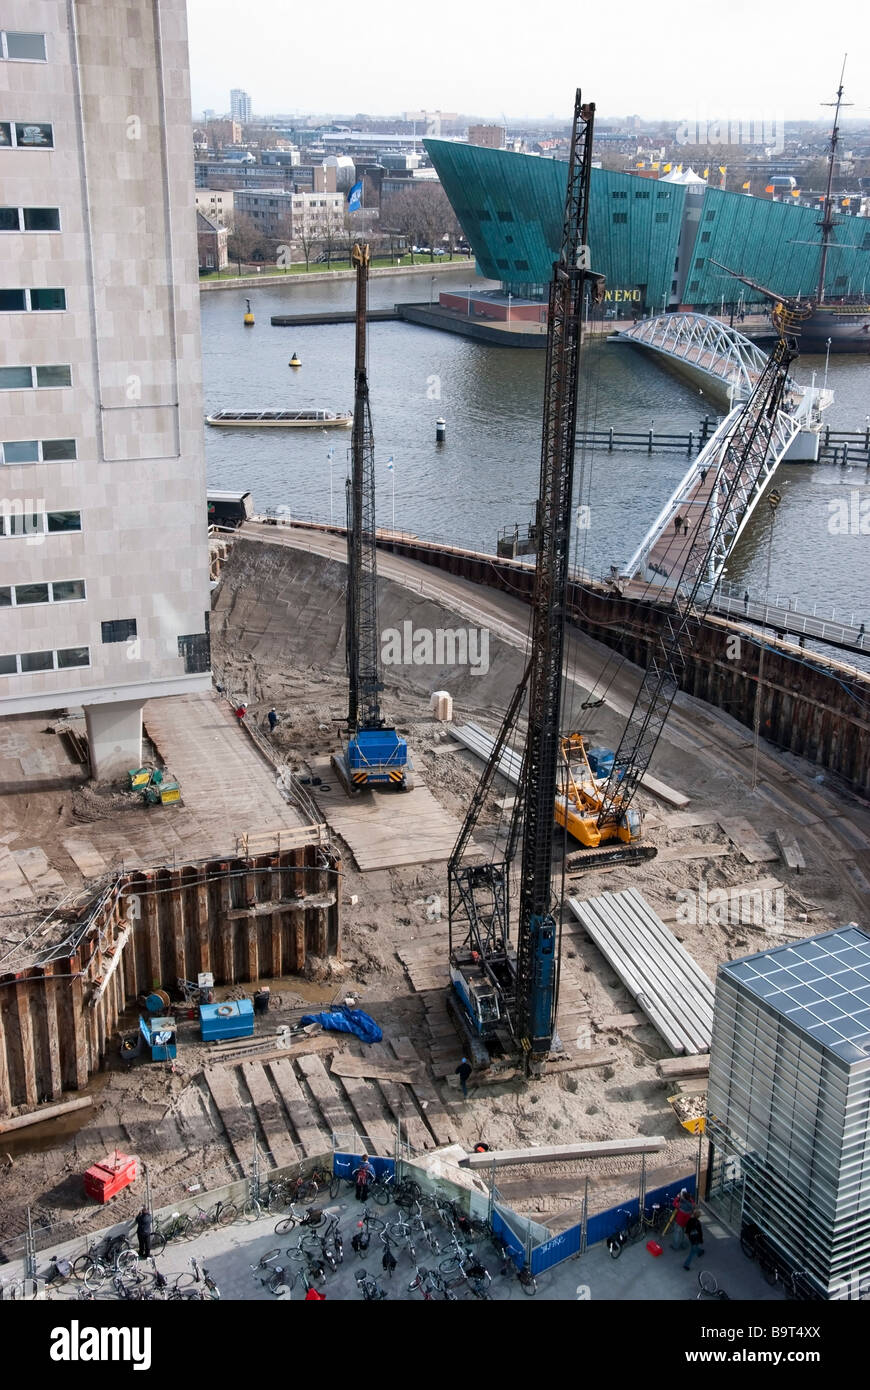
<point>309,235</point>
<point>245,241</point>
<point>422,212</point>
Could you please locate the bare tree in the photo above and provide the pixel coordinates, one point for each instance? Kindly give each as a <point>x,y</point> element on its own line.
<point>245,241</point>
<point>309,234</point>
<point>422,212</point>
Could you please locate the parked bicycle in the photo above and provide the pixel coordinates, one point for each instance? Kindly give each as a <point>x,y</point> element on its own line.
<point>313,1218</point>
<point>625,1234</point>
<point>709,1286</point>
<point>509,1266</point>
<point>369,1287</point>
<point>103,1260</point>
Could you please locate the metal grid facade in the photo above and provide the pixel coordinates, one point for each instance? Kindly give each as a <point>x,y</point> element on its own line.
<point>510,209</point>
<point>789,1103</point>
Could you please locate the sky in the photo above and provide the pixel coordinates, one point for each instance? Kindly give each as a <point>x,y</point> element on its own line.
<point>687,61</point>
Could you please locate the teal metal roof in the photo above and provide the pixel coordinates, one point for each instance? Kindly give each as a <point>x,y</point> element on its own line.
<point>510,208</point>
<point>763,239</point>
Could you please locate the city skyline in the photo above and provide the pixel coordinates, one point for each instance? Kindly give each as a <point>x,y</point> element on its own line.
<point>739,64</point>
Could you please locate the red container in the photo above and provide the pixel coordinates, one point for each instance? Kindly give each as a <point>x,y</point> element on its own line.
<point>653,1247</point>
<point>104,1179</point>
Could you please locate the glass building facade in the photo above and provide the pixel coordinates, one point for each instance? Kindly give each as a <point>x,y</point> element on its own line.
<point>788,1105</point>
<point>642,240</point>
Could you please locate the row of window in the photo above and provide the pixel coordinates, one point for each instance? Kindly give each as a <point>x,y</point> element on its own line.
<point>21,523</point>
<point>22,48</point>
<point>29,219</point>
<point>36,450</point>
<point>34,378</point>
<point>56,591</point>
<point>23,663</point>
<point>32,301</point>
<point>660,217</point>
<point>27,135</point>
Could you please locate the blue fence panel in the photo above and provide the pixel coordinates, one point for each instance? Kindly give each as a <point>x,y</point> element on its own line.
<point>604,1224</point>
<point>501,1229</point>
<point>553,1251</point>
<point>665,1195</point>
<point>343,1165</point>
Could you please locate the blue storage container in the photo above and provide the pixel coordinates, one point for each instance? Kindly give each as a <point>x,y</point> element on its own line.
<point>232,1019</point>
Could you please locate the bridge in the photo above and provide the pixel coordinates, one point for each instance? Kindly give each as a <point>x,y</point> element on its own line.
<point>723,355</point>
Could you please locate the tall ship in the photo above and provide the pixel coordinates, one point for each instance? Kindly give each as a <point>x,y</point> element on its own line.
<point>821,322</point>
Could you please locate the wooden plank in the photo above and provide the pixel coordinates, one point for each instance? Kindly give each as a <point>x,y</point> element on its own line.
<point>748,841</point>
<point>622,1021</point>
<point>672,852</point>
<point>697,1065</point>
<point>333,1107</point>
<point>365,1098</point>
<point>269,1114</point>
<point>434,1111</point>
<point>560,1153</point>
<point>86,858</point>
<point>45,1112</point>
<point>663,791</point>
<point>318,1045</point>
<point>401,1102</point>
<point>311,1139</point>
<point>345,1065</point>
<point>790,850</point>
<point>235,1118</point>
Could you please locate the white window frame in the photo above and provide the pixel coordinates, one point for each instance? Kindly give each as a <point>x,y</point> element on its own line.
<point>21,230</point>
<point>27,463</point>
<point>54,667</point>
<point>12,122</point>
<point>51,598</point>
<point>43,527</point>
<point>28,305</point>
<point>4,50</point>
<point>34,385</point>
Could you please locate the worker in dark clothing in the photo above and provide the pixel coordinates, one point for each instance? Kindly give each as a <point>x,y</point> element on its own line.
<point>143,1231</point>
<point>695,1233</point>
<point>463,1071</point>
<point>684,1208</point>
<point>363,1176</point>
<point>261,1000</point>
<point>273,720</point>
<point>746,600</point>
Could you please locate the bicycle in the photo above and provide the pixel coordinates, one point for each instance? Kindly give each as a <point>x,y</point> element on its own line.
<point>509,1266</point>
<point>99,1262</point>
<point>478,1277</point>
<point>402,1233</point>
<point>755,1246</point>
<point>176,1229</point>
<point>428,1282</point>
<point>202,1276</point>
<point>624,1235</point>
<point>709,1287</point>
<point>314,1218</point>
<point>369,1287</point>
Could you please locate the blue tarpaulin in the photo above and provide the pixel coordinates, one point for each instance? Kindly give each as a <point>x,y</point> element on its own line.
<point>344,1020</point>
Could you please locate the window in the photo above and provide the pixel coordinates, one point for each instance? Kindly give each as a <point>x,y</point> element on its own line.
<point>25,135</point>
<point>642,195</point>
<point>505,216</point>
<point>484,216</point>
<point>30,593</point>
<point>36,451</point>
<point>10,220</point>
<point>41,219</point>
<point>196,651</point>
<point>663,195</point>
<point>53,376</point>
<point>663,217</point>
<point>710,216</point>
<point>5,596</point>
<point>16,378</point>
<point>622,194</point>
<point>36,661</point>
<point>699,263</point>
<point>119,630</point>
<point>8,666</point>
<point>694,286</point>
<point>705,236</point>
<point>502,265</point>
<point>23,48</point>
<point>521,265</point>
<point>20,301</point>
<point>73,656</point>
<point>64,521</point>
<point>620,217</point>
<point>68,591</point>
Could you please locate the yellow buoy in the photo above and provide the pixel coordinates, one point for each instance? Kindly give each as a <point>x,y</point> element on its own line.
<point>249,317</point>
<point>294,361</point>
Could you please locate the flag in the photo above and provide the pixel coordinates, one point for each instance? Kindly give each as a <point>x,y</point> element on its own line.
<point>795,193</point>
<point>845,203</point>
<point>667,168</point>
<point>706,173</point>
<point>390,464</point>
<point>354,197</point>
<point>723,168</point>
<point>639,165</point>
<point>768,188</point>
<point>656,164</point>
<point>746,185</point>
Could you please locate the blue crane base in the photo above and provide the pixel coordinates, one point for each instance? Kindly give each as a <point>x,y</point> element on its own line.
<point>375,757</point>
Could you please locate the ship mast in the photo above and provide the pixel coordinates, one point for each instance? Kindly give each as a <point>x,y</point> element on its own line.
<point>827,223</point>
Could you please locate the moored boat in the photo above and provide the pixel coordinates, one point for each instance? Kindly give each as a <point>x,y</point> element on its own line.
<point>281,419</point>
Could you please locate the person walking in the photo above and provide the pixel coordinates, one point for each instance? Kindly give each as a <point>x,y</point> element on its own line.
<point>695,1234</point>
<point>684,1207</point>
<point>240,712</point>
<point>143,1232</point>
<point>273,720</point>
<point>363,1175</point>
<point>463,1071</point>
<point>861,635</point>
<point>746,600</point>
<point>678,521</point>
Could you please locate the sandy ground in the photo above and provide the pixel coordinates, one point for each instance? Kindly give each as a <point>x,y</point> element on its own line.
<point>278,640</point>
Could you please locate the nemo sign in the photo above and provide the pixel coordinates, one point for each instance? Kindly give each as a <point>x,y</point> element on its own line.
<point>622,296</point>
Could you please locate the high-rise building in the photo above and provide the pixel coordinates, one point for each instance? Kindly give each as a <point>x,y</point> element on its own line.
<point>104,590</point>
<point>240,106</point>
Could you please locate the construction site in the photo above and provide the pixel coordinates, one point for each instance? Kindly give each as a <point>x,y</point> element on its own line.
<point>508,813</point>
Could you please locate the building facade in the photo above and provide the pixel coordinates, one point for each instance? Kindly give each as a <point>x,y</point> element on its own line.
<point>491,137</point>
<point>654,240</point>
<point>788,1106</point>
<point>216,204</point>
<point>240,106</point>
<point>104,591</point>
<point>211,245</point>
<point>277,212</point>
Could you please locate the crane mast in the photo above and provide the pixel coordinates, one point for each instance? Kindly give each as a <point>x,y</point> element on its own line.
<point>364,685</point>
<point>509,996</point>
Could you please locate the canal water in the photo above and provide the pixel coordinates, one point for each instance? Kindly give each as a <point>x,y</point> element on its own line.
<point>485,476</point>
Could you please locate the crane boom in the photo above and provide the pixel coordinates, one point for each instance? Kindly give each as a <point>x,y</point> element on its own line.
<point>364,685</point>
